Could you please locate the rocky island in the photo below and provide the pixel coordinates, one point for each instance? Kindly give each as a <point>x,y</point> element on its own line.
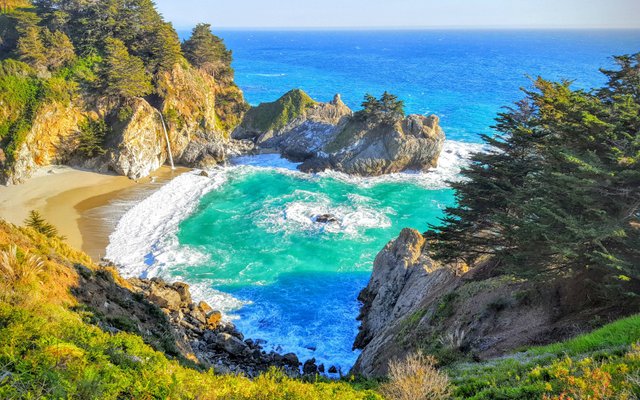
<point>377,140</point>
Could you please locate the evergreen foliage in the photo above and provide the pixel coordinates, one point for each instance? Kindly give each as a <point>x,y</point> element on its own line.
<point>207,51</point>
<point>124,74</point>
<point>92,137</point>
<point>40,225</point>
<point>559,187</point>
<point>387,110</point>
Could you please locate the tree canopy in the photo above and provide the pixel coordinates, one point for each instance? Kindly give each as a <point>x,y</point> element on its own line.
<point>388,109</point>
<point>207,51</point>
<point>559,187</point>
<point>124,74</point>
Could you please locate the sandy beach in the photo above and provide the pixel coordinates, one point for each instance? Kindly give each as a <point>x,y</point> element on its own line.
<point>85,206</point>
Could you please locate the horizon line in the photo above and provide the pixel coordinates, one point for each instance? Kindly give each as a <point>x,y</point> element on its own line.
<point>414,28</point>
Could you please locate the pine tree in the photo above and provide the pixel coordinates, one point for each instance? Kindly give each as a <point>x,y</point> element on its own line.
<point>31,49</point>
<point>60,51</point>
<point>167,50</point>
<point>36,222</point>
<point>124,74</point>
<point>559,188</point>
<point>207,51</point>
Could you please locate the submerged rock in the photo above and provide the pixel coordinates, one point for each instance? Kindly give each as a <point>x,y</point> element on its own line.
<point>325,218</point>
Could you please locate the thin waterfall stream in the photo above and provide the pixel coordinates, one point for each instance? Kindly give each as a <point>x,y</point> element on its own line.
<point>166,137</point>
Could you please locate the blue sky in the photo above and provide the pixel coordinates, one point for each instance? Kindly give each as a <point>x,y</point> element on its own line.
<point>404,13</point>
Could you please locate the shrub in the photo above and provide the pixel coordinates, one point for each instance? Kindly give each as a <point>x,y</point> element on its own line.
<point>18,269</point>
<point>36,222</point>
<point>453,339</point>
<point>416,378</point>
<point>92,137</point>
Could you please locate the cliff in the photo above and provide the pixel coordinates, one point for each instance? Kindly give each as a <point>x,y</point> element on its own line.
<point>329,136</point>
<point>459,313</point>
<point>134,144</point>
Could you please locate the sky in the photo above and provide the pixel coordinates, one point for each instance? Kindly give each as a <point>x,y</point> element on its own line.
<point>403,13</point>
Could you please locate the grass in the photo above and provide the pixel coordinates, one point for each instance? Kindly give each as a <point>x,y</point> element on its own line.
<point>276,115</point>
<point>619,333</point>
<point>604,364</point>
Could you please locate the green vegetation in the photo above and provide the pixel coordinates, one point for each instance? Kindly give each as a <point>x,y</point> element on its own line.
<point>36,222</point>
<point>50,349</point>
<point>559,190</point>
<point>205,50</point>
<point>124,74</point>
<point>20,94</point>
<point>387,110</point>
<point>92,137</point>
<point>276,115</point>
<point>604,364</point>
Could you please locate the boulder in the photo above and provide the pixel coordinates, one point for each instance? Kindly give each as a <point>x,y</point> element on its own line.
<point>165,297</point>
<point>291,359</point>
<point>185,294</point>
<point>325,218</point>
<point>310,367</point>
<point>230,344</point>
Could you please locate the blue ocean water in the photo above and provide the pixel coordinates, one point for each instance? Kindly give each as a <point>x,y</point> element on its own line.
<point>465,77</point>
<point>246,237</point>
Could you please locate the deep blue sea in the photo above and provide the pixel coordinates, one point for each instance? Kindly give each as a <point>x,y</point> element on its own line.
<point>245,237</point>
<point>465,77</point>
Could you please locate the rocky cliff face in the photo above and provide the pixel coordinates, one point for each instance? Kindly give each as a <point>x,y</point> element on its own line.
<point>328,136</point>
<point>136,145</point>
<point>458,313</point>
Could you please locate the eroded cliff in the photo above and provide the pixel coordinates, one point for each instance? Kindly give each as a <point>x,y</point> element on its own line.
<point>457,312</point>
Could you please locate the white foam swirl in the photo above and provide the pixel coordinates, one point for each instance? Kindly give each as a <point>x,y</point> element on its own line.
<point>144,238</point>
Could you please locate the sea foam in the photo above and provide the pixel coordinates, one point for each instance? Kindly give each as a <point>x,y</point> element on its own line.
<point>145,243</point>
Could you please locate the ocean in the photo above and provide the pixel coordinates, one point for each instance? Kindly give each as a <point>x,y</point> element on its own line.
<point>244,237</point>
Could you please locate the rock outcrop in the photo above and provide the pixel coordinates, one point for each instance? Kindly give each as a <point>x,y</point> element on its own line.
<point>454,311</point>
<point>167,318</point>
<point>403,276</point>
<point>202,331</point>
<point>329,136</point>
<point>135,145</point>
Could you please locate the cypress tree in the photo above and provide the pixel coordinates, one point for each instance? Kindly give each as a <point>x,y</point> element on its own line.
<point>124,74</point>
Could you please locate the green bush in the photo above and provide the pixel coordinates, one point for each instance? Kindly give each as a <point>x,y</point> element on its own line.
<point>92,137</point>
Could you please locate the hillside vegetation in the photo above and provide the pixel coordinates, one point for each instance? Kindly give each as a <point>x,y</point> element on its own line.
<point>87,62</point>
<point>52,346</point>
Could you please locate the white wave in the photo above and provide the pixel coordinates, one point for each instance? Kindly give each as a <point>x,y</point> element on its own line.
<point>144,239</point>
<point>299,211</point>
<point>454,156</point>
<point>223,302</point>
<point>275,161</point>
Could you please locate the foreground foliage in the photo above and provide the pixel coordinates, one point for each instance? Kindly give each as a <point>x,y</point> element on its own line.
<point>49,349</point>
<point>604,364</point>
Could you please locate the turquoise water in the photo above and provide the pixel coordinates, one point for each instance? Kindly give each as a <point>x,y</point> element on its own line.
<point>300,277</point>
<point>246,237</point>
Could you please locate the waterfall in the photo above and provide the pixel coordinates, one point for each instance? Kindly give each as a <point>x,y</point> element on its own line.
<point>166,136</point>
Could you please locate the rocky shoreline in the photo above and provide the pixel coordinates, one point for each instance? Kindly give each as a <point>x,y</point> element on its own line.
<point>168,318</point>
